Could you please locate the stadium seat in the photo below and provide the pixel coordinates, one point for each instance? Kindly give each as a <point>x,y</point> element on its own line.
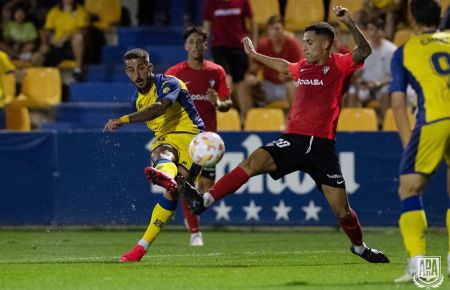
<point>17,118</point>
<point>228,121</point>
<point>9,86</point>
<point>352,5</point>
<point>41,88</point>
<point>402,36</point>
<point>264,9</point>
<point>301,13</point>
<point>389,120</point>
<point>108,12</point>
<point>66,64</point>
<point>280,104</point>
<point>357,119</point>
<point>264,119</point>
<point>101,92</point>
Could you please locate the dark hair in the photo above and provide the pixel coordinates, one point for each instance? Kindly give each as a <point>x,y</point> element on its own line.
<point>74,5</point>
<point>274,20</point>
<point>20,6</point>
<point>375,21</point>
<point>425,12</point>
<point>195,29</point>
<point>322,28</point>
<point>137,53</point>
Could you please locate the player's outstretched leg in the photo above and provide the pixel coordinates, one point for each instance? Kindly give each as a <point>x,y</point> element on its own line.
<point>160,216</point>
<point>192,222</point>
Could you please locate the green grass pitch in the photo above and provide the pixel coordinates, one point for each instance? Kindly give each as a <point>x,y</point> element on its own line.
<point>56,259</point>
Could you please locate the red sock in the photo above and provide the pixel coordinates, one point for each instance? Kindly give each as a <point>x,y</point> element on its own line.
<point>191,219</point>
<point>353,229</point>
<point>229,183</point>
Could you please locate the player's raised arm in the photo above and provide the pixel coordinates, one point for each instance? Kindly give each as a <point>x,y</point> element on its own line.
<point>362,49</point>
<point>277,64</point>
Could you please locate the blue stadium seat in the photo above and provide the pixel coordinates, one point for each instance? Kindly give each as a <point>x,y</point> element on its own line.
<point>69,126</point>
<point>105,73</point>
<point>90,113</point>
<point>136,36</point>
<point>101,92</point>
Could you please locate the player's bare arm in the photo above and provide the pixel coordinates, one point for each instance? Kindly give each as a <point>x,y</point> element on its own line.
<point>399,107</point>
<point>152,112</point>
<point>362,49</point>
<point>221,105</point>
<point>277,64</point>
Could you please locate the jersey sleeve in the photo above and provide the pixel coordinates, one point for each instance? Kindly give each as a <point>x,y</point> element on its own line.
<point>50,19</point>
<point>399,79</point>
<point>294,69</point>
<point>208,11</point>
<point>346,64</point>
<point>82,18</point>
<point>6,65</point>
<point>224,90</point>
<point>169,89</point>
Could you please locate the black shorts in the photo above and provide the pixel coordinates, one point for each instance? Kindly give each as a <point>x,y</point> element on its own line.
<point>233,60</point>
<point>209,172</point>
<point>312,155</point>
<point>57,54</point>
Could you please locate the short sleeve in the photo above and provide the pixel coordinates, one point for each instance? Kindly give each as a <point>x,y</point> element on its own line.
<point>169,89</point>
<point>6,64</point>
<point>247,9</point>
<point>399,74</point>
<point>208,11</point>
<point>346,64</point>
<point>224,90</point>
<point>294,69</point>
<point>82,18</point>
<point>50,19</point>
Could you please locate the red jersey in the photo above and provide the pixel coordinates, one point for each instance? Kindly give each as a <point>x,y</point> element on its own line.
<point>291,52</point>
<point>317,105</point>
<point>227,19</point>
<point>198,81</point>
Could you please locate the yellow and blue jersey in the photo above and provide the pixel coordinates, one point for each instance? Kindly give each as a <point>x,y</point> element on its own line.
<point>424,62</point>
<point>181,117</point>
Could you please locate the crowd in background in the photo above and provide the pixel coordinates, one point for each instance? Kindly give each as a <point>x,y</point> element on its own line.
<point>47,32</point>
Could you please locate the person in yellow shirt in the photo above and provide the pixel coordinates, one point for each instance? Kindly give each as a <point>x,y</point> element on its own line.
<point>165,105</point>
<point>424,63</point>
<point>6,67</point>
<point>64,36</point>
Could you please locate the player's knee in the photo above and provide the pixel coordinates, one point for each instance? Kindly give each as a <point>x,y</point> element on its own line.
<point>165,152</point>
<point>408,189</point>
<point>344,215</point>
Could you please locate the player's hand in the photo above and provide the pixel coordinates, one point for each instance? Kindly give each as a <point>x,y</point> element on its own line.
<point>212,96</point>
<point>248,46</point>
<point>112,125</point>
<point>343,15</point>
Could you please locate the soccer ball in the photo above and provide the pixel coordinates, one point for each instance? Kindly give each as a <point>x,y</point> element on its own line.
<point>207,149</point>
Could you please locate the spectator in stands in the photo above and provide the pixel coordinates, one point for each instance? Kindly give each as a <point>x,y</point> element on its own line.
<point>338,45</point>
<point>372,81</point>
<point>36,10</point>
<point>64,36</point>
<point>19,34</point>
<point>6,67</point>
<point>280,44</point>
<point>226,22</point>
<point>207,85</point>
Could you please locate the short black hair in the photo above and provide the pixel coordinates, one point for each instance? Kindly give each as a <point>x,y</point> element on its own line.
<point>322,28</point>
<point>375,21</point>
<point>137,53</point>
<point>426,12</point>
<point>195,29</point>
<point>275,19</point>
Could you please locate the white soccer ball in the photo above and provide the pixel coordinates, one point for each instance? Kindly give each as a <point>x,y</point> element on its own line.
<point>207,149</point>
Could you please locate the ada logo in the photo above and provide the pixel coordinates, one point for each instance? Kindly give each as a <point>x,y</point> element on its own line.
<point>428,274</point>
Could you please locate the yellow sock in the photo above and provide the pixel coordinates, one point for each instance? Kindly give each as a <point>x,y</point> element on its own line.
<point>448,228</point>
<point>413,226</point>
<point>161,214</point>
<point>168,167</point>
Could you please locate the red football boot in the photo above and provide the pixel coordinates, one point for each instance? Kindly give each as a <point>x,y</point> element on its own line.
<point>160,178</point>
<point>133,255</point>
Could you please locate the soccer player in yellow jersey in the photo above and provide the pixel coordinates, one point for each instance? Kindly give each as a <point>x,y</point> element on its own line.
<point>423,62</point>
<point>164,103</point>
<point>6,67</point>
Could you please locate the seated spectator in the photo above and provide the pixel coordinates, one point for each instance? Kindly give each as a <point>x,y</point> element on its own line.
<point>372,81</point>
<point>64,36</point>
<point>6,67</point>
<point>19,34</point>
<point>338,45</point>
<point>280,44</point>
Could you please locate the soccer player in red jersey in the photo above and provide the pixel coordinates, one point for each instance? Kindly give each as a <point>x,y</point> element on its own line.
<point>206,82</point>
<point>308,144</point>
